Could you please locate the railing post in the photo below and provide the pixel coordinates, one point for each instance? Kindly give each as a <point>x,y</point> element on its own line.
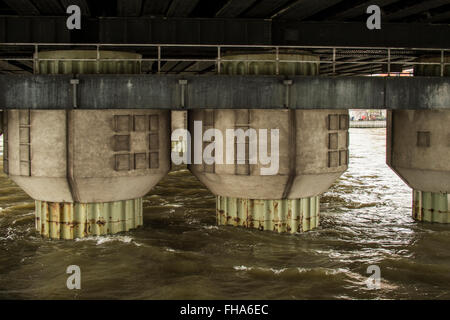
<point>389,62</point>
<point>36,59</point>
<point>218,60</point>
<point>159,59</point>
<point>277,70</point>
<point>98,58</point>
<point>442,63</point>
<point>334,61</point>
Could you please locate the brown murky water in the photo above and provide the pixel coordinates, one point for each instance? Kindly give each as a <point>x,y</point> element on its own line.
<point>180,253</point>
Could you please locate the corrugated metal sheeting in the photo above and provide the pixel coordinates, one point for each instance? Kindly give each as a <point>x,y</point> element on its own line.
<point>79,220</point>
<point>291,216</point>
<point>431,207</point>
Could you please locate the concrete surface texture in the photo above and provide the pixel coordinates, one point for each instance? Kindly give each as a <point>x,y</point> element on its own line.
<point>313,152</point>
<point>87,155</point>
<point>165,91</point>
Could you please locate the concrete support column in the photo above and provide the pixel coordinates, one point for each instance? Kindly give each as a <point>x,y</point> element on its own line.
<point>313,153</point>
<point>87,169</point>
<point>418,150</point>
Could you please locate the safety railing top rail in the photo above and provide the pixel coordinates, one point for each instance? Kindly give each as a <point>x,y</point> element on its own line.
<point>384,56</point>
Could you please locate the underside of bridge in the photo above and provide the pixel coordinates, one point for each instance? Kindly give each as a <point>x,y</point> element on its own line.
<point>239,64</point>
<point>435,11</point>
<point>406,23</point>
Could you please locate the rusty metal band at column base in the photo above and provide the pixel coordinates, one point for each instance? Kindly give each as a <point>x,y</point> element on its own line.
<point>290,216</point>
<point>58,220</point>
<point>431,207</point>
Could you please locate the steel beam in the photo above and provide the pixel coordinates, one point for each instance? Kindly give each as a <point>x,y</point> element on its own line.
<point>50,7</point>
<point>399,35</point>
<point>223,92</point>
<point>129,8</point>
<point>442,16</point>
<point>23,7</point>
<point>233,8</point>
<point>415,9</point>
<point>10,68</point>
<point>303,9</point>
<point>359,9</point>
<point>84,6</point>
<point>265,8</point>
<point>181,8</point>
<point>155,7</point>
<point>223,31</point>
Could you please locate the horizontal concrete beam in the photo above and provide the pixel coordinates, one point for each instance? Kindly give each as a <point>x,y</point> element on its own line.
<point>221,92</point>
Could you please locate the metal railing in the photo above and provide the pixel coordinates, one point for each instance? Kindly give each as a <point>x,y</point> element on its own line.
<point>331,58</point>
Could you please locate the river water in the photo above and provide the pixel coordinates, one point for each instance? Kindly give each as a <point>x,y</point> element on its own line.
<point>180,253</point>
